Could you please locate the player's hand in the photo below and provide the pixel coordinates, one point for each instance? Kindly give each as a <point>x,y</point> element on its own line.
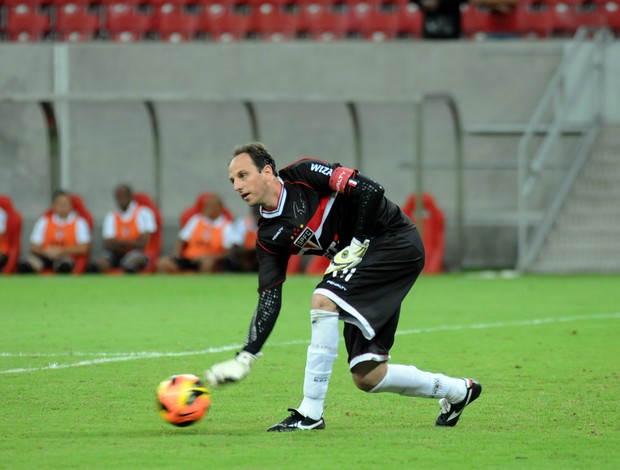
<point>232,370</point>
<point>349,256</point>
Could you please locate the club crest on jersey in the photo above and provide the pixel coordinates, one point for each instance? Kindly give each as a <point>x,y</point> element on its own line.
<point>307,239</point>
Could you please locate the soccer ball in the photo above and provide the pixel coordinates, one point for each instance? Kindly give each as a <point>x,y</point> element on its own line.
<point>183,399</point>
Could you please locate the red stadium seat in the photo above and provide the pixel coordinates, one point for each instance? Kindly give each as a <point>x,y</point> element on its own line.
<point>535,22</point>
<point>222,24</point>
<point>62,3</point>
<point>433,231</point>
<point>153,248</point>
<point>272,23</point>
<point>611,10</point>
<point>13,233</point>
<point>74,23</point>
<point>173,24</point>
<point>108,3</point>
<point>319,22</point>
<point>411,20</point>
<point>160,3</point>
<point>25,24</point>
<point>373,23</point>
<point>30,3</point>
<point>125,24</point>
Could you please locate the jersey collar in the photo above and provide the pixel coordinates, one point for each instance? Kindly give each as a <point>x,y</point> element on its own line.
<point>278,210</point>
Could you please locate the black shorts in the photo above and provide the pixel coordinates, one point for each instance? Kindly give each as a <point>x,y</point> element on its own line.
<point>369,295</point>
<point>3,260</point>
<point>117,260</point>
<point>186,264</point>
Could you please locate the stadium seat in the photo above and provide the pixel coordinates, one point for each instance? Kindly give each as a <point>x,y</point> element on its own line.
<point>317,266</point>
<point>25,24</point>
<point>160,3</point>
<point>611,11</point>
<point>319,22</point>
<point>153,247</point>
<point>75,23</point>
<point>411,20</point>
<point>433,230</point>
<point>173,24</point>
<point>219,22</point>
<point>374,24</point>
<point>197,207</point>
<point>62,3</point>
<point>30,3</point>
<point>107,3</point>
<point>535,22</point>
<point>125,24</point>
<point>274,24</point>
<point>13,233</point>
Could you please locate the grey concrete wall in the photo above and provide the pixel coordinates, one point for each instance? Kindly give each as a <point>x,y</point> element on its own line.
<point>299,91</point>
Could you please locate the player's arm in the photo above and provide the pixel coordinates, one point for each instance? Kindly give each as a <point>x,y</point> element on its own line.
<point>368,194</point>
<point>272,273</point>
<point>261,326</point>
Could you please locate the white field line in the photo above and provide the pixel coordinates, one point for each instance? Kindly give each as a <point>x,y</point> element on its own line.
<point>106,357</point>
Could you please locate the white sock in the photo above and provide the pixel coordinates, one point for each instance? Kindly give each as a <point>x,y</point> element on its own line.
<point>412,382</point>
<point>322,353</point>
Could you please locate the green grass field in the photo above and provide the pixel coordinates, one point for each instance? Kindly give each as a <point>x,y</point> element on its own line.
<point>80,359</point>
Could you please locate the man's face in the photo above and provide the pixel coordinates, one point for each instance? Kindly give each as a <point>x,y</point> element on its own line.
<point>249,183</point>
<point>212,207</point>
<point>123,198</point>
<point>62,206</point>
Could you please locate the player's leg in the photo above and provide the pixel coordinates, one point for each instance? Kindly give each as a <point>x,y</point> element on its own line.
<point>134,261</point>
<point>108,260</point>
<point>33,264</point>
<point>166,264</point>
<point>63,265</point>
<point>321,354</point>
<point>371,373</point>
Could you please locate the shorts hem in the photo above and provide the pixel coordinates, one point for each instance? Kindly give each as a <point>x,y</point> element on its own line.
<point>368,357</point>
<point>359,320</point>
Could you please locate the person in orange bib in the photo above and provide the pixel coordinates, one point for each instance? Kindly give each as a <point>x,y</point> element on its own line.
<point>242,256</point>
<point>126,233</point>
<point>4,242</point>
<point>203,242</point>
<point>57,238</point>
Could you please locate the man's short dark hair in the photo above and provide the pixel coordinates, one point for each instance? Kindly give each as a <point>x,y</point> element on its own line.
<point>258,153</point>
<point>59,192</point>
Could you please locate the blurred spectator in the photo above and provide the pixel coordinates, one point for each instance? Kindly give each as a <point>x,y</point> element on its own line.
<point>4,242</point>
<point>203,242</point>
<point>242,256</point>
<point>500,7</point>
<point>126,233</point>
<point>59,236</point>
<point>442,18</point>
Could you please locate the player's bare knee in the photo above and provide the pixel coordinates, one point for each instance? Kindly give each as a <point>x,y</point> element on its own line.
<point>367,375</point>
<point>320,302</point>
<point>363,382</point>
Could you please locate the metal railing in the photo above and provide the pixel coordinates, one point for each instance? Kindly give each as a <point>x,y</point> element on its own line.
<point>419,165</point>
<point>532,162</point>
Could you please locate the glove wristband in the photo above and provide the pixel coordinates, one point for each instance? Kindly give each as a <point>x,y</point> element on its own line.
<point>246,358</point>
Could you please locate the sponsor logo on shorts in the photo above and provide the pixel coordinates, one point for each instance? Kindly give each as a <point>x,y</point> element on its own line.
<point>335,284</point>
<point>277,233</point>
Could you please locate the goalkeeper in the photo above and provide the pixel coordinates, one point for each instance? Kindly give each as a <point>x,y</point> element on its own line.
<point>319,208</point>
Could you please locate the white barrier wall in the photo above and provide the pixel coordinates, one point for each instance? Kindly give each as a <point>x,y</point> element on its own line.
<point>299,91</point>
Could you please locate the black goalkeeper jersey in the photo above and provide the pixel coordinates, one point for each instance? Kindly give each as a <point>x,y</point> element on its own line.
<point>311,218</point>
